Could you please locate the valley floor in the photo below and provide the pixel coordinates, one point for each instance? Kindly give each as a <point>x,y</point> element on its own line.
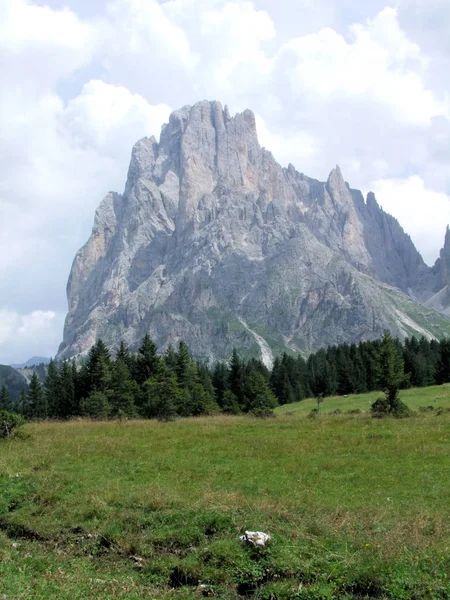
<point>357,507</point>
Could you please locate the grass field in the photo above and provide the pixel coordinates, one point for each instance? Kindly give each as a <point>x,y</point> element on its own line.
<point>437,396</point>
<point>357,507</point>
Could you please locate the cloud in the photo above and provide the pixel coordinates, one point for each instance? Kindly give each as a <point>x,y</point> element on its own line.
<point>297,146</point>
<point>423,213</point>
<point>104,117</point>
<point>379,64</point>
<point>145,29</point>
<point>39,44</point>
<point>363,86</point>
<point>50,186</point>
<point>236,31</point>
<point>22,336</point>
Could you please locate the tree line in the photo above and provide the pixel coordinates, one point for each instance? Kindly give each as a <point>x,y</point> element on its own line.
<point>151,385</point>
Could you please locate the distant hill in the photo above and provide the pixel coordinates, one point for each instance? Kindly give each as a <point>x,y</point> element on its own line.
<point>31,362</point>
<point>13,381</point>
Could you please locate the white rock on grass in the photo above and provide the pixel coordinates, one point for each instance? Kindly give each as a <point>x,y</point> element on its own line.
<point>257,538</point>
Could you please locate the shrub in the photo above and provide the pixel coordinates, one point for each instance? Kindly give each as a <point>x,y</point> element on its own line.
<point>383,407</point>
<point>10,424</point>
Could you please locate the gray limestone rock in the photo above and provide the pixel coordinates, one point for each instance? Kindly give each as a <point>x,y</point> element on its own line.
<point>215,243</point>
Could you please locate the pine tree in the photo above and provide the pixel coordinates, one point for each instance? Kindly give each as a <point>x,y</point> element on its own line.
<point>96,405</point>
<point>24,404</point>
<point>220,383</point>
<point>36,398</point>
<point>390,375</point>
<point>147,360</point>
<point>76,380</point>
<point>236,379</point>
<point>260,399</point>
<point>123,353</point>
<point>322,375</point>
<point>5,400</point>
<point>443,362</point>
<point>124,390</point>
<point>230,404</point>
<point>96,373</point>
<point>162,394</point>
<point>170,357</point>
<point>184,367</point>
<point>52,390</point>
<point>67,402</point>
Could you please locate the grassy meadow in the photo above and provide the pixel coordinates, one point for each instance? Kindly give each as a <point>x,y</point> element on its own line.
<point>356,507</point>
<point>437,396</point>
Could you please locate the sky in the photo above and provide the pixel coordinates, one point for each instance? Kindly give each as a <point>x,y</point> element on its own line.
<point>360,84</point>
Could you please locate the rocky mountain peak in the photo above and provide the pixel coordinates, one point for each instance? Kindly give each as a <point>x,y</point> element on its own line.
<point>215,243</point>
<point>442,265</point>
<point>447,239</point>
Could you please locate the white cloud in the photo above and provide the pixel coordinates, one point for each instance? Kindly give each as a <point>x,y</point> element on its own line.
<point>22,336</point>
<point>57,162</point>
<point>423,213</point>
<point>367,89</point>
<point>377,64</point>
<point>40,44</point>
<point>105,117</point>
<point>235,32</point>
<point>294,148</point>
<point>142,28</point>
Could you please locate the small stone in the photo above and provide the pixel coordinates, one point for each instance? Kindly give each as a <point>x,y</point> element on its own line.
<point>256,538</point>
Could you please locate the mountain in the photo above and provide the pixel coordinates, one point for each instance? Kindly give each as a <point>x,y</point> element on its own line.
<point>215,243</point>
<point>440,280</point>
<point>13,381</point>
<point>32,362</point>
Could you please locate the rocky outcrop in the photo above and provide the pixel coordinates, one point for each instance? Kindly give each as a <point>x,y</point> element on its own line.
<point>439,280</point>
<point>215,243</point>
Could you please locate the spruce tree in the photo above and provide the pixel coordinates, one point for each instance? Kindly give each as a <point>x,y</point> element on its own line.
<point>96,372</point>
<point>68,405</point>
<point>5,400</point>
<point>390,375</point>
<point>170,357</point>
<point>236,379</point>
<point>96,405</point>
<point>443,362</point>
<point>184,367</point>
<point>36,398</point>
<point>24,404</point>
<point>52,390</point>
<point>124,390</point>
<point>220,383</point>
<point>147,360</point>
<point>260,399</point>
<point>162,394</point>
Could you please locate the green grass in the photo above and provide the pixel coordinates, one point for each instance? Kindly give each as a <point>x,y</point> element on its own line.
<point>357,507</point>
<point>437,396</point>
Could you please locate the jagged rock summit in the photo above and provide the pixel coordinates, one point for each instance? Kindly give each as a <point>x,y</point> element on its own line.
<point>215,243</point>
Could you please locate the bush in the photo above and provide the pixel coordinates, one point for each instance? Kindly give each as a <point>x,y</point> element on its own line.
<point>10,424</point>
<point>263,413</point>
<point>383,407</point>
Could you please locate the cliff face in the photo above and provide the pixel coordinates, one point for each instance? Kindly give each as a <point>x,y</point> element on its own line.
<point>439,281</point>
<point>215,243</point>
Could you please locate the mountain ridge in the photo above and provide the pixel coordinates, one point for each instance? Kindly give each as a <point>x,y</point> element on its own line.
<point>211,232</point>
